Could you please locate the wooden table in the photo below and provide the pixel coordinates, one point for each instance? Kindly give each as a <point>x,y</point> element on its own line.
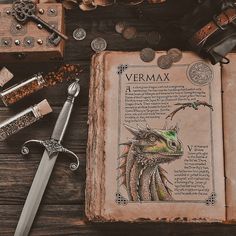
<point>62,208</point>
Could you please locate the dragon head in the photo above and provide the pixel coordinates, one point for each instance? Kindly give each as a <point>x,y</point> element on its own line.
<point>152,147</point>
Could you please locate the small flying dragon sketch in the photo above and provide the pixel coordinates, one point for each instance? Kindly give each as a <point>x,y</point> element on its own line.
<point>139,165</point>
<point>193,105</point>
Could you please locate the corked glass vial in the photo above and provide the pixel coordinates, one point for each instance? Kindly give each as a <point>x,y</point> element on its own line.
<point>5,76</point>
<point>24,119</point>
<point>18,91</point>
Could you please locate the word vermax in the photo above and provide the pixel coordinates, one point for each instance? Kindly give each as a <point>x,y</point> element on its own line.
<point>147,77</point>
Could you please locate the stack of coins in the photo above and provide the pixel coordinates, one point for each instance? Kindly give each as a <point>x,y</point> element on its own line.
<point>173,55</point>
<point>128,32</point>
<point>165,61</point>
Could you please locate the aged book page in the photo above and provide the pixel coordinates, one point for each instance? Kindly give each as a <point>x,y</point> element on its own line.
<point>163,146</point>
<point>229,117</point>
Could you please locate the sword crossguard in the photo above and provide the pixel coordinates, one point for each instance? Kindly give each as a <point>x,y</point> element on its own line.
<point>52,146</point>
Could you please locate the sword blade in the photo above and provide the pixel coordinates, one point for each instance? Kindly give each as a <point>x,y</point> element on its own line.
<point>46,165</point>
<point>35,194</point>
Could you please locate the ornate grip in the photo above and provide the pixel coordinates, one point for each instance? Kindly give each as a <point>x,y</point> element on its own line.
<point>52,146</point>
<point>63,118</point>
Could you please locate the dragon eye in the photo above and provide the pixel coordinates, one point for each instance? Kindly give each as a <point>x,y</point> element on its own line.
<point>173,144</point>
<point>152,137</point>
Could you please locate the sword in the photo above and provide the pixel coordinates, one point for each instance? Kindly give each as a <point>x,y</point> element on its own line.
<point>52,148</point>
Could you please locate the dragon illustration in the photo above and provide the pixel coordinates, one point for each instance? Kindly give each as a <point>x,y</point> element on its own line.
<point>193,105</point>
<point>140,171</point>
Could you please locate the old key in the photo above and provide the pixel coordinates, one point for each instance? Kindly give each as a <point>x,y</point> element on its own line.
<point>24,10</point>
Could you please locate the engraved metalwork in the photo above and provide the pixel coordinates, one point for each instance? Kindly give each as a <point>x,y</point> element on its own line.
<point>52,146</point>
<point>52,12</point>
<point>121,69</point>
<point>29,42</point>
<point>24,10</point>
<point>40,41</point>
<point>6,42</point>
<point>7,12</point>
<point>17,42</point>
<point>39,26</point>
<point>18,29</point>
<point>200,73</point>
<point>53,40</point>
<point>18,26</point>
<point>41,11</point>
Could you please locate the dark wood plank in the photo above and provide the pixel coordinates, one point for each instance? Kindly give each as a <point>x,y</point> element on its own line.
<point>17,173</point>
<point>75,138</point>
<point>68,220</point>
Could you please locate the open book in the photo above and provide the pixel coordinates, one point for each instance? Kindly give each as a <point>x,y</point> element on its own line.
<point>156,148</point>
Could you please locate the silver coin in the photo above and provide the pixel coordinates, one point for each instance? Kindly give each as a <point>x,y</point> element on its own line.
<point>175,54</point>
<point>164,62</point>
<point>120,27</point>
<point>147,55</point>
<point>99,45</point>
<point>79,34</point>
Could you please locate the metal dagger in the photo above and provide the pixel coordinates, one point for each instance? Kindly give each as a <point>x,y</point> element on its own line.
<point>52,148</point>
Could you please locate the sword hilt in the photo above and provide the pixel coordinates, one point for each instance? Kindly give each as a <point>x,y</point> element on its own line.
<point>51,146</point>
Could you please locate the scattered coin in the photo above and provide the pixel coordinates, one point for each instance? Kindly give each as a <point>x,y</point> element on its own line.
<point>120,27</point>
<point>99,44</point>
<point>147,55</point>
<point>129,32</point>
<point>79,34</point>
<point>175,54</point>
<point>153,38</point>
<point>164,61</point>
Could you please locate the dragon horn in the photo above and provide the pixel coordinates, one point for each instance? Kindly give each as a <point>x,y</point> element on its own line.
<point>165,125</point>
<point>176,128</point>
<point>139,128</point>
<point>131,129</point>
<point>148,127</point>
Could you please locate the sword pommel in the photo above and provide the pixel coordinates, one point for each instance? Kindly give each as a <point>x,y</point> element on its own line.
<point>74,89</point>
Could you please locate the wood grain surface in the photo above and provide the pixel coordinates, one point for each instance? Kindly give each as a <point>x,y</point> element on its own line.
<point>62,209</point>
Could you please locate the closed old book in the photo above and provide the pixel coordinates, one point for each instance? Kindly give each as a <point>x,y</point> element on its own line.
<point>155,147</point>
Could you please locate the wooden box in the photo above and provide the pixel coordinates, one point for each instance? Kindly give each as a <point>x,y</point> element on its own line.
<point>30,42</point>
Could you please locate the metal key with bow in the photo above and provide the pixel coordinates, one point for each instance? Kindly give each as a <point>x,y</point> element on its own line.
<point>25,10</point>
<point>52,149</point>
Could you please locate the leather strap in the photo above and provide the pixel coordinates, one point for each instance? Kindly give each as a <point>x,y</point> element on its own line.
<point>223,19</point>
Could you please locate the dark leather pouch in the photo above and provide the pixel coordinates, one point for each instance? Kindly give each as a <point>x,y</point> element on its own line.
<point>217,51</point>
<point>222,41</point>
